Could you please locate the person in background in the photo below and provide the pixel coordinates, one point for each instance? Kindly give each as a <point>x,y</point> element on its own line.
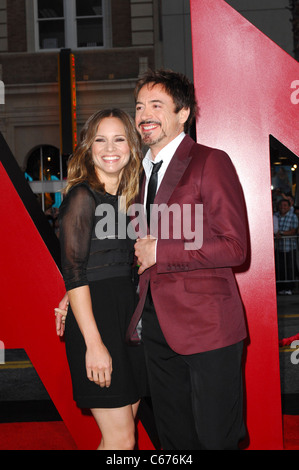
<point>285,246</point>
<point>275,224</point>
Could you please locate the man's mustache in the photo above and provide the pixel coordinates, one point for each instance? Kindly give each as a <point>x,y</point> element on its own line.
<point>149,122</point>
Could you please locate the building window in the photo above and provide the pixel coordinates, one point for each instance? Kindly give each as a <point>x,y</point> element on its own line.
<point>89,18</point>
<point>51,24</point>
<point>71,24</point>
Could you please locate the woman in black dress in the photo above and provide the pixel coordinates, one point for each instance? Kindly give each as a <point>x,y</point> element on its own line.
<point>108,376</point>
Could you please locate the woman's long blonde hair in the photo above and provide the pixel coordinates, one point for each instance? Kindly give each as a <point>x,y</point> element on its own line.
<point>81,167</point>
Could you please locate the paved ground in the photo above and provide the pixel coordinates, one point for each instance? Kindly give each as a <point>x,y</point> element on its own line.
<point>23,397</point>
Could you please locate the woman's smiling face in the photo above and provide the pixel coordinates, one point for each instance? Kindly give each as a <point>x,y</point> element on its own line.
<point>110,149</point>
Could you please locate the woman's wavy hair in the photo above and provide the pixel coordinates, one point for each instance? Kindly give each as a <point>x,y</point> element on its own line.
<point>81,167</point>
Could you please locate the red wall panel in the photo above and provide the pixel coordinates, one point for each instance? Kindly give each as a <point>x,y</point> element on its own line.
<point>243,84</point>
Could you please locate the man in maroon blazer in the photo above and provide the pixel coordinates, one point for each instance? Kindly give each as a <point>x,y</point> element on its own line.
<point>191,313</point>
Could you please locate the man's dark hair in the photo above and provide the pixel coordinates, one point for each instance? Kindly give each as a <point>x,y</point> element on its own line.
<point>177,85</point>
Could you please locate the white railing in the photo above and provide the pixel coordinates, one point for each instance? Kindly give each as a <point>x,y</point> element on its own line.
<point>42,187</point>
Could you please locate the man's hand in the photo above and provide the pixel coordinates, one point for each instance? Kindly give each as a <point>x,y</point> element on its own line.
<point>145,251</point>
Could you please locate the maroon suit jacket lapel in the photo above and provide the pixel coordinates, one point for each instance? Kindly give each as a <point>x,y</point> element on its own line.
<point>174,173</point>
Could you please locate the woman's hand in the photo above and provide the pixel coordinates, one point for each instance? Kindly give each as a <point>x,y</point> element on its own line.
<point>97,359</point>
<point>60,315</point>
<point>99,365</point>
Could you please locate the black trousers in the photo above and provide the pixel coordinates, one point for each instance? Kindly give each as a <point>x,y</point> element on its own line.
<point>197,399</point>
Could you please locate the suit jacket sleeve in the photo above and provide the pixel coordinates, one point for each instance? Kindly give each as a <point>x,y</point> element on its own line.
<point>224,222</point>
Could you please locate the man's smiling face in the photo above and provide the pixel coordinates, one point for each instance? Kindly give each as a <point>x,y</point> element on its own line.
<point>156,119</point>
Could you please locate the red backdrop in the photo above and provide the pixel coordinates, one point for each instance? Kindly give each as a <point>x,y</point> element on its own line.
<point>243,84</point>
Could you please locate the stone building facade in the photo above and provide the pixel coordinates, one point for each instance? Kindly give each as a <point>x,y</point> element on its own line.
<point>32,32</point>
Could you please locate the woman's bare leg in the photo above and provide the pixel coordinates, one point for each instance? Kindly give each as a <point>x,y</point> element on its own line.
<point>117,426</point>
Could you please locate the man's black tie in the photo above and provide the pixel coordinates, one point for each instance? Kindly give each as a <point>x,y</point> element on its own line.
<point>152,189</point>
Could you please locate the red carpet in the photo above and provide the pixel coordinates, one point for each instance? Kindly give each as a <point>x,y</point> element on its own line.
<point>35,436</point>
<point>55,436</point>
<point>291,432</point>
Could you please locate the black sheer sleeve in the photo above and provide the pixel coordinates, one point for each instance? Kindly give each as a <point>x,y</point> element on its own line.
<point>76,220</point>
